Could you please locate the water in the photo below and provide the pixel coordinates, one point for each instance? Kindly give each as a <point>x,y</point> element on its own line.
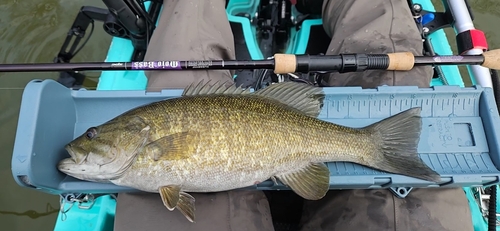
<point>486,18</point>
<point>33,31</point>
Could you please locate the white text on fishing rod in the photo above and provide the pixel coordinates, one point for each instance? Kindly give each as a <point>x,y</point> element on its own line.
<point>200,64</point>
<point>156,65</point>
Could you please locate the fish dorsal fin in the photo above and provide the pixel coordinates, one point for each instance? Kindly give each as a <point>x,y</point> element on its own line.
<point>303,97</point>
<point>216,88</point>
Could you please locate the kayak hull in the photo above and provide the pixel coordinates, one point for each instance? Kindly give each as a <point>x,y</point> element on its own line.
<point>101,215</point>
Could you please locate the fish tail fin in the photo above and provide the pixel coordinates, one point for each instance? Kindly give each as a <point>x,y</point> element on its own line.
<point>396,141</point>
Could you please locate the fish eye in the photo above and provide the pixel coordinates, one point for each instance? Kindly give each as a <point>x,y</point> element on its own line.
<point>91,133</point>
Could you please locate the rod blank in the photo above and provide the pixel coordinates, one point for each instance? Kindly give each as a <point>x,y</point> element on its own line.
<point>281,64</point>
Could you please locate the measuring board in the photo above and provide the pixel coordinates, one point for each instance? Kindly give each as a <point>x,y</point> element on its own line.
<point>459,139</point>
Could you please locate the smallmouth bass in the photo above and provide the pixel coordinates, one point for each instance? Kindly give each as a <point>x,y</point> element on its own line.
<point>217,138</point>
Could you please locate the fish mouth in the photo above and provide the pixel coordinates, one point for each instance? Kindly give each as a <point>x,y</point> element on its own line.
<point>69,167</point>
<point>65,165</point>
<point>73,154</point>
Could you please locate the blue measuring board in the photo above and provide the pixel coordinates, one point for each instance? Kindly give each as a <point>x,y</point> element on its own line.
<point>459,139</point>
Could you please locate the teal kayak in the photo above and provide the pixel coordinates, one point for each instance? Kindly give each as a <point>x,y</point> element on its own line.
<point>99,214</point>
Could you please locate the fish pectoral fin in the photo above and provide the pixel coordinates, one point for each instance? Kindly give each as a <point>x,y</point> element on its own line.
<point>304,97</point>
<point>170,195</point>
<point>177,146</point>
<point>311,182</point>
<point>186,206</point>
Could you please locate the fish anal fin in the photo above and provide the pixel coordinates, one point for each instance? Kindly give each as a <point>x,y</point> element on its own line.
<point>311,182</point>
<point>176,146</point>
<point>303,97</point>
<point>170,195</point>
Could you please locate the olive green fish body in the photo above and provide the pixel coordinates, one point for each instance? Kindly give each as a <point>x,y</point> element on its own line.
<point>240,140</point>
<point>217,138</point>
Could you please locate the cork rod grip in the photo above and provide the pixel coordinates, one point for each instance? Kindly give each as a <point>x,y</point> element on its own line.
<point>492,59</point>
<point>284,63</point>
<point>401,61</point>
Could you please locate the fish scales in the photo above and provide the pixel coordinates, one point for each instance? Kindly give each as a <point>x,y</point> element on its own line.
<point>259,136</point>
<point>217,138</point>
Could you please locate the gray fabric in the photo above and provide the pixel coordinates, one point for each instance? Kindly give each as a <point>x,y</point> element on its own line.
<point>190,30</point>
<point>198,29</point>
<point>233,210</point>
<point>380,210</point>
<point>373,26</point>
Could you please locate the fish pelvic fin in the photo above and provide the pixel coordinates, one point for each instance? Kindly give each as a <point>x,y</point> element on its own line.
<point>174,198</point>
<point>170,196</point>
<point>304,97</point>
<point>186,206</point>
<point>311,182</point>
<point>396,141</point>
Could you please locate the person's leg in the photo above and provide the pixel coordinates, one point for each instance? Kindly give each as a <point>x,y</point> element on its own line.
<point>221,211</point>
<point>373,26</point>
<point>381,26</point>
<point>192,30</point>
<point>379,210</point>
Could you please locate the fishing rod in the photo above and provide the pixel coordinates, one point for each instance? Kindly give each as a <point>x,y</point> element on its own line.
<point>280,63</point>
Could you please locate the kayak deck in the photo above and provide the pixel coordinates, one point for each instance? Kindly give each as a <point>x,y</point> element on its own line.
<point>101,215</point>
<point>121,49</point>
